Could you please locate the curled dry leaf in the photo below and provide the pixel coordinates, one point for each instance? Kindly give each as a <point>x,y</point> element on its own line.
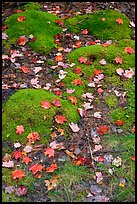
<point>45,104</point>
<point>77,82</point>
<point>103,62</point>
<point>87,106</point>
<point>33,136</point>
<point>97,72</point>
<point>19,129</point>
<point>35,168</point>
<point>82,112</point>
<point>98,177</point>
<point>22,40</point>
<point>50,152</point>
<point>18,174</point>
<point>51,168</point>
<point>27,149</point>
<point>21,18</point>
<point>59,58</point>
<point>120,71</point>
<point>60,119</point>
<point>129,73</point>
<point>119,21</point>
<point>74,127</point>
<point>37,69</point>
<point>70,91</point>
<point>73,99</point>
<point>8,164</point>
<point>56,145</point>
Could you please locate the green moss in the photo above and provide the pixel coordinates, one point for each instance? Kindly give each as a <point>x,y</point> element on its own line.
<point>40,24</point>
<point>31,6</point>
<point>24,108</point>
<point>111,101</point>
<point>103,30</point>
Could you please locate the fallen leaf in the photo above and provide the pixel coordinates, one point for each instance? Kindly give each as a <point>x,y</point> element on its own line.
<point>26,160</point>
<point>102,129</point>
<point>97,114</point>
<point>70,91</point>
<point>9,189</point>
<point>33,136</point>
<point>50,152</point>
<point>79,161</point>
<point>4,36</point>
<point>22,40</point>
<point>77,82</point>
<point>88,95</point>
<point>73,99</point>
<point>120,71</point>
<point>129,50</point>
<point>100,90</point>
<point>21,18</point>
<point>99,159</point>
<point>17,154</point>
<point>62,74</point>
<point>99,177</point>
<point>74,127</point>
<point>118,60</point>
<point>59,58</point>
<point>77,44</point>
<point>132,158</point>
<point>45,104</point>
<point>103,19</point>
<point>56,145</point>
<point>82,59</point>
<point>59,22</point>
<point>60,119</point>
<point>78,70</point>
<point>35,168</point>
<point>84,32</point>
<point>20,191</point>
<point>8,164</point>
<point>96,140</point>
<point>19,11</point>
<point>19,129</point>
<point>82,112</point>
<point>4,27</point>
<point>56,103</point>
<point>133,130</point>
<point>18,174</point>
<point>27,149</point>
<point>34,81</point>
<point>7,157</point>
<point>132,24</point>
<point>119,21</point>
<point>25,69</point>
<point>37,69</point>
<point>129,73</point>
<point>51,168</point>
<point>117,161</point>
<point>105,44</point>
<point>103,62</point>
<point>97,147</point>
<point>119,122</point>
<point>17,145</point>
<point>87,106</point>
<point>71,154</point>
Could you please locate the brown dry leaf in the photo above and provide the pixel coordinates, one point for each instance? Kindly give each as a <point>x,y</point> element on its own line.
<point>70,154</point>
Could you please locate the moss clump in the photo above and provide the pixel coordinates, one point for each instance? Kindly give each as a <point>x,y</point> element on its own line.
<point>24,108</point>
<point>111,101</point>
<point>104,30</point>
<point>41,25</point>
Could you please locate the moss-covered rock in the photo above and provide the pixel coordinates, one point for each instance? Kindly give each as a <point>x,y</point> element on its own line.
<point>24,108</point>
<point>41,25</point>
<point>104,30</point>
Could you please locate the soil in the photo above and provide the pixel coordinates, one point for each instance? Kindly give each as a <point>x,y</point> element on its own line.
<point>13,80</point>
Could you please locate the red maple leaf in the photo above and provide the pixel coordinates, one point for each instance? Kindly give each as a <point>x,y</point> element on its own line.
<point>129,50</point>
<point>45,104</point>
<point>77,70</point>
<point>84,32</point>
<point>50,152</point>
<point>82,59</point>
<point>97,72</point>
<point>56,103</point>
<point>4,27</point>
<point>17,154</point>
<point>25,69</point>
<point>77,82</point>
<point>19,129</point>
<point>35,168</point>
<point>60,119</point>
<point>59,22</point>
<point>118,60</point>
<point>102,129</point>
<point>21,18</point>
<point>119,122</point>
<point>73,99</point>
<point>78,44</point>
<point>26,160</point>
<point>119,21</point>
<point>59,58</point>
<point>22,40</point>
<point>79,161</point>
<point>18,174</point>
<point>58,93</point>
<point>33,136</point>
<point>51,168</point>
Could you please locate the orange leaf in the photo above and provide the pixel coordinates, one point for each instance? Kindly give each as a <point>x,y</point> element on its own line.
<point>19,129</point>
<point>77,70</point>
<point>60,119</point>
<point>118,60</point>
<point>102,129</point>
<point>56,102</point>
<point>35,168</point>
<point>25,69</point>
<point>82,59</point>
<point>100,90</point>
<point>50,152</point>
<point>78,44</point>
<point>119,122</point>
<point>18,174</point>
<point>32,137</point>
<point>97,72</point>
<point>119,21</point>
<point>45,104</point>
<point>103,19</point>
<point>59,58</point>
<point>26,160</point>
<point>22,41</point>
<point>73,99</point>
<point>21,18</point>
<point>84,32</point>
<point>17,154</point>
<point>51,168</point>
<point>129,50</point>
<point>77,82</point>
